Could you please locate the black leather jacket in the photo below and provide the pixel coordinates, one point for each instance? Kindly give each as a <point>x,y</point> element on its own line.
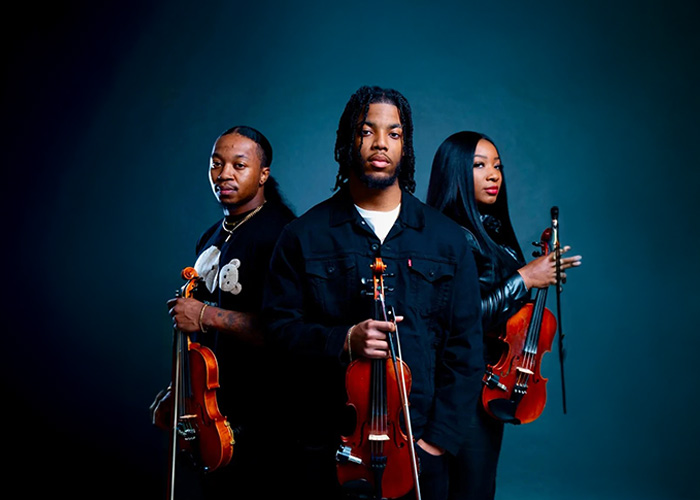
<point>503,293</point>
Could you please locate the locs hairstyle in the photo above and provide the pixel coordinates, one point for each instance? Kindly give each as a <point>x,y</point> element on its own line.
<point>272,191</point>
<point>355,112</point>
<point>451,190</point>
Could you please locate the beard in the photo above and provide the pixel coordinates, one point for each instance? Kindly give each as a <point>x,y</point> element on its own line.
<point>371,181</point>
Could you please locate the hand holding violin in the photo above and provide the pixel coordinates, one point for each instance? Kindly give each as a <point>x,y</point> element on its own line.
<point>542,272</point>
<point>185,312</point>
<point>369,338</point>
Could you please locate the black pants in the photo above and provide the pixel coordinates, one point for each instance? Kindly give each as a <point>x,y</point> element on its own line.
<point>472,472</point>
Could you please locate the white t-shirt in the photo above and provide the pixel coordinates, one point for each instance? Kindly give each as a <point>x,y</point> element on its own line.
<point>380,222</point>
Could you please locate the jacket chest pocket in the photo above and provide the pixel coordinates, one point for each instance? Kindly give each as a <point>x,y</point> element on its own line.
<point>430,283</point>
<point>334,286</point>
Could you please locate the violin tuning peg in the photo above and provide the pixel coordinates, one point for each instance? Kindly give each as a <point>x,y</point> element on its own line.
<point>536,254</point>
<point>536,243</point>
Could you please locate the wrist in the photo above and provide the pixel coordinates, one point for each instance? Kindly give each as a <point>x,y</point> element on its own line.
<point>201,322</point>
<point>348,347</point>
<point>526,280</point>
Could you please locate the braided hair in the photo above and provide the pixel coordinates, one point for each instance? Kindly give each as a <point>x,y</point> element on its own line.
<point>272,189</point>
<point>355,112</point>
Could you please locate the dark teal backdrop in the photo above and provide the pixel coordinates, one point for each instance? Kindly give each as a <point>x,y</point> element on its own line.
<point>110,113</point>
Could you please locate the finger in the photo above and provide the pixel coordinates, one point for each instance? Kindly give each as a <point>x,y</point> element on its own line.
<point>382,326</point>
<point>376,335</point>
<point>376,354</point>
<point>377,345</point>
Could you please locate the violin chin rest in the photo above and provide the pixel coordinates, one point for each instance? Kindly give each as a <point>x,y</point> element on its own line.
<point>358,489</point>
<point>504,410</point>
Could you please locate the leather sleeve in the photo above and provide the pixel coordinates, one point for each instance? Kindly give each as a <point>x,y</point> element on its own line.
<point>500,299</point>
<point>503,301</point>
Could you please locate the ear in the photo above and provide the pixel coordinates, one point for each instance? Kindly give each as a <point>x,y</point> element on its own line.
<point>264,174</point>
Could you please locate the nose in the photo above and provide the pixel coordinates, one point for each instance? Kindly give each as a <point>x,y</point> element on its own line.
<point>380,141</point>
<point>226,172</point>
<point>493,174</point>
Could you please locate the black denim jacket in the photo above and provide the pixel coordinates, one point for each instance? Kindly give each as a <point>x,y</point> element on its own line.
<point>315,293</point>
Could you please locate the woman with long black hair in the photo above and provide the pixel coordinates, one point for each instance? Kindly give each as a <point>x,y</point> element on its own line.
<point>467,183</point>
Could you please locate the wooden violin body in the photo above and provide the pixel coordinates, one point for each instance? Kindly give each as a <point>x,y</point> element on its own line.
<point>198,430</point>
<point>514,390</point>
<point>377,460</point>
<point>203,432</point>
<point>520,394</point>
<point>378,434</point>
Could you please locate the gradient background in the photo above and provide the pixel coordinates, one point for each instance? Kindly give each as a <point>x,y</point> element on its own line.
<point>110,114</point>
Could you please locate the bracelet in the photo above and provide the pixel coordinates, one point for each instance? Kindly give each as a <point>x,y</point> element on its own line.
<point>348,341</point>
<point>201,315</point>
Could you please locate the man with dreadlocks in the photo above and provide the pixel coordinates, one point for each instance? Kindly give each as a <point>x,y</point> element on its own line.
<point>319,315</point>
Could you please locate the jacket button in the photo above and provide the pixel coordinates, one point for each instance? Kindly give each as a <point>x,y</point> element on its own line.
<point>330,269</point>
<point>374,247</point>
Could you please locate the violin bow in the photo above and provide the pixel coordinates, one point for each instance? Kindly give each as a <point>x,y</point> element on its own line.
<point>401,378</point>
<point>557,249</point>
<point>178,342</point>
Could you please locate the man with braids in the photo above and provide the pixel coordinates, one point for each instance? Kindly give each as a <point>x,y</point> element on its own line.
<point>320,318</point>
<point>232,257</point>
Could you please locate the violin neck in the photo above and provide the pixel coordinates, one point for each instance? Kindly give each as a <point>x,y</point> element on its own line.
<point>533,333</point>
<point>379,395</point>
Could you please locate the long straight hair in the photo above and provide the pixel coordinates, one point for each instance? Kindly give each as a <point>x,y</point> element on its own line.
<point>451,190</point>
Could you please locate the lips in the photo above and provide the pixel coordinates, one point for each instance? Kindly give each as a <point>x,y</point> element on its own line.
<point>379,161</point>
<point>227,189</point>
<point>493,191</point>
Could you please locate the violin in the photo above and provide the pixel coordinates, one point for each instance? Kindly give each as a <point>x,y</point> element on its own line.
<point>378,459</point>
<point>514,390</point>
<point>199,430</point>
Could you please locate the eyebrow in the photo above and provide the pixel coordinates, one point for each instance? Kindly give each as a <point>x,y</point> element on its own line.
<point>217,155</point>
<point>372,124</point>
<point>484,156</point>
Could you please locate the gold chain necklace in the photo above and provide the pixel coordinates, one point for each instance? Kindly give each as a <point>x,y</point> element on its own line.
<point>239,224</point>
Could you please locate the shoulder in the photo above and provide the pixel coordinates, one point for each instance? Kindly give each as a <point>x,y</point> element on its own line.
<point>277,214</point>
<point>435,222</point>
<point>471,240</point>
<point>317,215</point>
<point>269,224</point>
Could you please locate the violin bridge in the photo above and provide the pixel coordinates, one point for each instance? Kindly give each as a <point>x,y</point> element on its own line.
<point>525,370</point>
<point>378,437</point>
